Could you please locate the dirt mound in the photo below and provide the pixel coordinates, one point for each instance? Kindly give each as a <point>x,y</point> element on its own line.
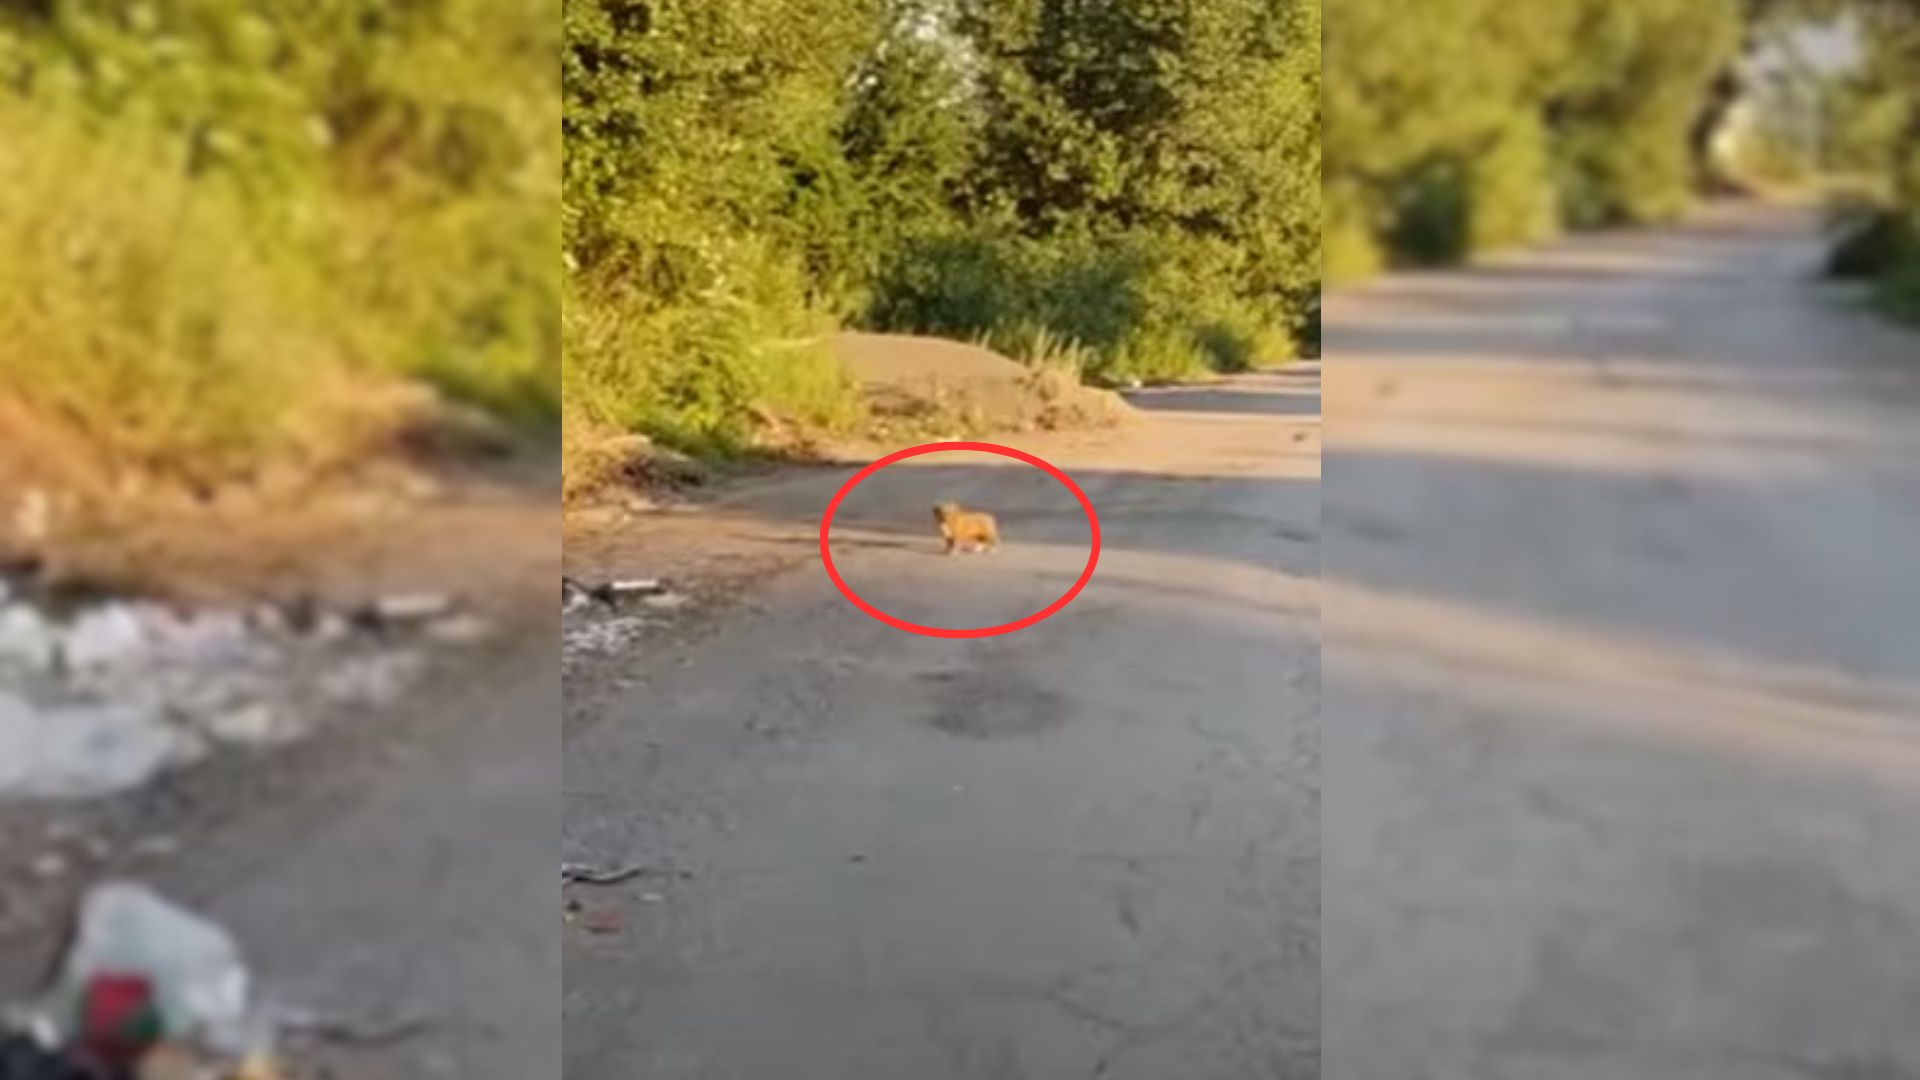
<point>934,387</point>
<point>916,389</point>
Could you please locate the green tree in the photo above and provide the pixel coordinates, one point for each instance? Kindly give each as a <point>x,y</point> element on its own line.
<point>1179,136</point>
<point>1460,124</point>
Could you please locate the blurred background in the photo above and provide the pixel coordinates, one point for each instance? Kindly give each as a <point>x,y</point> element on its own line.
<point>279,404</point>
<point>1578,116</point>
<point>1619,574</point>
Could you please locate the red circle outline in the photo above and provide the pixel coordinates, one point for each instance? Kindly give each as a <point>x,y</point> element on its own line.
<point>1086,575</point>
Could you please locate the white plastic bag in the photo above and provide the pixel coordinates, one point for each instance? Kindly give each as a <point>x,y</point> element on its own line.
<point>200,984</point>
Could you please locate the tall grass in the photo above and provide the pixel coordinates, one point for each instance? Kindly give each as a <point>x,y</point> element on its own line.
<point>1877,240</point>
<point>713,371</point>
<point>216,255</point>
<point>138,305</point>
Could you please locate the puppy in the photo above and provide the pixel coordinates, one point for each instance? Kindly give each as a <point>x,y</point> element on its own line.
<point>961,528</point>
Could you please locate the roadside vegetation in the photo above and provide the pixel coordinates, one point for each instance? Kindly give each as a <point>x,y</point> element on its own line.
<point>1590,113</point>
<point>239,236</point>
<point>1569,114</point>
<point>1877,138</point>
<point>1124,191</point>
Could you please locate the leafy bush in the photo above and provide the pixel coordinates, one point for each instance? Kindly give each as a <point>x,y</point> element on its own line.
<point>135,302</point>
<point>1871,239</point>
<point>708,373</point>
<point>1126,307</point>
<point>1900,289</point>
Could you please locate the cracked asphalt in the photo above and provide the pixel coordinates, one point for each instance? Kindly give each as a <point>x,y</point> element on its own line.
<point>1085,849</point>
<point>1620,603</point>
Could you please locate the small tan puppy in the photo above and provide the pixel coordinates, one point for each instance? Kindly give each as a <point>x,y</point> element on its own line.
<point>966,528</point>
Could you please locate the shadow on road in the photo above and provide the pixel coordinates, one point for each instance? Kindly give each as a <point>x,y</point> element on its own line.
<point>1633,554</point>
<point>1301,399</point>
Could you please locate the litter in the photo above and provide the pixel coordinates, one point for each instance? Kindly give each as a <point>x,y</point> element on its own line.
<point>146,990</point>
<point>352,1032</point>
<point>395,611</point>
<point>574,593</point>
<point>581,874</point>
<point>199,984</point>
<point>23,1058</point>
<point>26,638</point>
<point>84,751</point>
<point>103,636</point>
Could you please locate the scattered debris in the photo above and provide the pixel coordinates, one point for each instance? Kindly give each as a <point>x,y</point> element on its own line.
<point>207,638</point>
<point>146,989</point>
<point>199,983</point>
<point>84,751</point>
<point>103,693</point>
<point>258,724</point>
<point>111,634</point>
<point>582,874</point>
<point>399,612</point>
<point>348,1032</point>
<point>24,1058</point>
<point>605,637</point>
<point>602,617</point>
<point>26,639</point>
<point>578,873</point>
<point>370,681</point>
<point>331,628</point>
<point>611,593</point>
<point>460,630</point>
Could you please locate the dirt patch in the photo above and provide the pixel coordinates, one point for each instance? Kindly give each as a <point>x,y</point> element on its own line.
<point>918,387</point>
<point>448,511</point>
<point>601,467</point>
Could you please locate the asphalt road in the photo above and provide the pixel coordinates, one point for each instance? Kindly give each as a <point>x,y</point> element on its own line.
<point>1622,591</point>
<point>394,875</point>
<point>1086,849</point>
